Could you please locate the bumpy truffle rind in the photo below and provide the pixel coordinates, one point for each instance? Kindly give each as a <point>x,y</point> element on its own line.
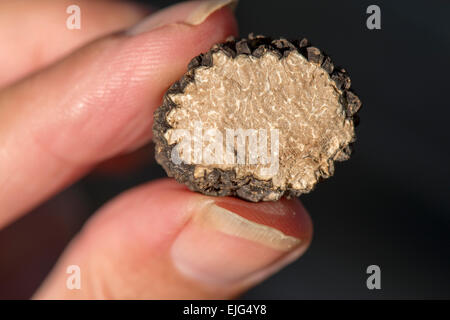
<point>219,182</point>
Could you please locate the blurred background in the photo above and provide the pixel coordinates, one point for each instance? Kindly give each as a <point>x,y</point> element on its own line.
<point>389,205</point>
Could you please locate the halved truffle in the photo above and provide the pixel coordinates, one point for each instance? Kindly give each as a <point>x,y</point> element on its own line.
<point>256,118</point>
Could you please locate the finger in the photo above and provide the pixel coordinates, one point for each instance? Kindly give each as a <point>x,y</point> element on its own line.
<point>93,105</point>
<point>34,33</point>
<point>161,241</point>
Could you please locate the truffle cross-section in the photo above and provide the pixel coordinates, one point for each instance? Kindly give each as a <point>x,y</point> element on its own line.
<point>256,118</point>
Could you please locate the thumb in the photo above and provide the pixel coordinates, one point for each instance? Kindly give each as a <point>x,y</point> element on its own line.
<point>162,241</point>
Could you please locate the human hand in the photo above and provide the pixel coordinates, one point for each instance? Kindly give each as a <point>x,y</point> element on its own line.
<point>70,100</point>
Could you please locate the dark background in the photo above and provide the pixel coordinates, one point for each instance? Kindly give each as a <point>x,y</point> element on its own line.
<point>389,205</point>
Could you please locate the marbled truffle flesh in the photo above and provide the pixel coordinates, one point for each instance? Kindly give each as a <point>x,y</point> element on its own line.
<point>256,118</point>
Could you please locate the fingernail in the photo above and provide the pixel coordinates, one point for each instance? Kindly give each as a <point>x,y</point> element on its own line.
<point>222,247</point>
<point>206,8</point>
<point>194,13</point>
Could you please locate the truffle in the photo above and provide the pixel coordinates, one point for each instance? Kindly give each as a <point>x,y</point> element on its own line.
<point>257,118</point>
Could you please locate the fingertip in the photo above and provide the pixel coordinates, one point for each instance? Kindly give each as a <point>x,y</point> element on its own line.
<point>188,12</point>
<point>231,243</point>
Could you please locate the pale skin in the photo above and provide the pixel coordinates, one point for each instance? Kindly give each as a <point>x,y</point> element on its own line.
<point>70,100</point>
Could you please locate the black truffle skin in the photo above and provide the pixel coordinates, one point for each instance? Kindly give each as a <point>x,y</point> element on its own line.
<point>220,182</point>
